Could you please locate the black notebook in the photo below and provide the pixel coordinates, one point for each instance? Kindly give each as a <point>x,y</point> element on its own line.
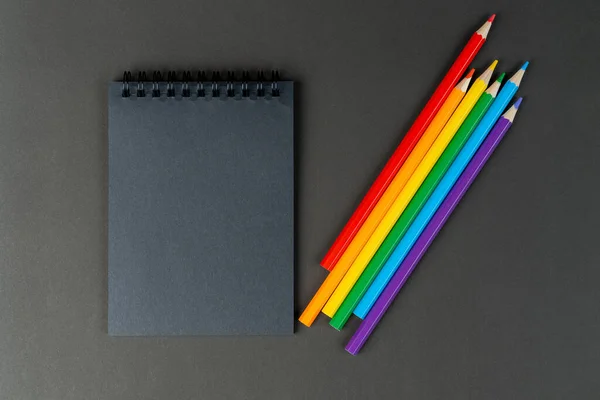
<point>200,206</point>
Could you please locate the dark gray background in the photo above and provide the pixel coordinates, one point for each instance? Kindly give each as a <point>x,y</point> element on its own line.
<point>504,305</point>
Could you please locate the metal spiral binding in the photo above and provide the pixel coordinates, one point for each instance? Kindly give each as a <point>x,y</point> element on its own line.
<point>201,79</point>
<point>125,92</point>
<point>216,77</point>
<point>156,78</point>
<point>262,87</point>
<point>141,92</point>
<point>185,87</point>
<point>245,79</point>
<point>230,82</point>
<point>171,77</point>
<point>275,83</point>
<point>260,90</point>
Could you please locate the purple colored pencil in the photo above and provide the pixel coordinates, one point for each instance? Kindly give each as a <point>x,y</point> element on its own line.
<point>435,225</point>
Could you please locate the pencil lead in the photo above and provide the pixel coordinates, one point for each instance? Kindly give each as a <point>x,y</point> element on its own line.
<point>518,76</point>
<point>501,77</point>
<point>463,85</point>
<point>495,86</point>
<point>487,74</point>
<point>518,103</point>
<point>485,28</point>
<point>512,110</point>
<point>525,65</point>
<point>491,18</point>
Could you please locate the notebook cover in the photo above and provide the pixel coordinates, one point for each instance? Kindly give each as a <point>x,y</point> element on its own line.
<point>200,215</point>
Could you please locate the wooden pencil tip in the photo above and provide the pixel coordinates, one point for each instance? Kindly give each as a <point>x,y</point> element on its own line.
<point>487,74</point>
<point>485,28</point>
<point>463,85</point>
<point>518,103</point>
<point>491,19</point>
<point>512,111</point>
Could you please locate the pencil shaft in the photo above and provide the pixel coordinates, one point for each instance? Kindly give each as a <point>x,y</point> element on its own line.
<point>408,191</point>
<point>459,164</point>
<point>337,274</point>
<point>343,314</point>
<point>406,146</point>
<point>405,172</point>
<point>437,222</point>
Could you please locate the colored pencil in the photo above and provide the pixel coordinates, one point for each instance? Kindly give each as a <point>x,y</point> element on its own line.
<point>408,143</point>
<point>437,222</point>
<point>459,164</point>
<point>340,269</point>
<point>400,180</point>
<point>343,314</point>
<point>408,191</point>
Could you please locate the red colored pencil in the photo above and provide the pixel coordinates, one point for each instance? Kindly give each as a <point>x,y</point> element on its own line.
<point>408,143</point>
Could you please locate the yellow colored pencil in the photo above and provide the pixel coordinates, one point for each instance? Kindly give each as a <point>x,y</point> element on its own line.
<point>339,270</point>
<point>409,190</point>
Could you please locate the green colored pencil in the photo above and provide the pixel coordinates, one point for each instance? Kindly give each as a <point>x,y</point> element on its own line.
<point>391,241</point>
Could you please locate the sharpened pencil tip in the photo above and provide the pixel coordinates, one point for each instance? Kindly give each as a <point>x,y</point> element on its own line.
<point>485,28</point>
<point>525,65</point>
<point>518,103</point>
<point>493,65</point>
<point>463,85</point>
<point>501,77</point>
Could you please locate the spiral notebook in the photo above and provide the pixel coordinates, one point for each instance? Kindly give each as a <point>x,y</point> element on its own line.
<point>200,206</point>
